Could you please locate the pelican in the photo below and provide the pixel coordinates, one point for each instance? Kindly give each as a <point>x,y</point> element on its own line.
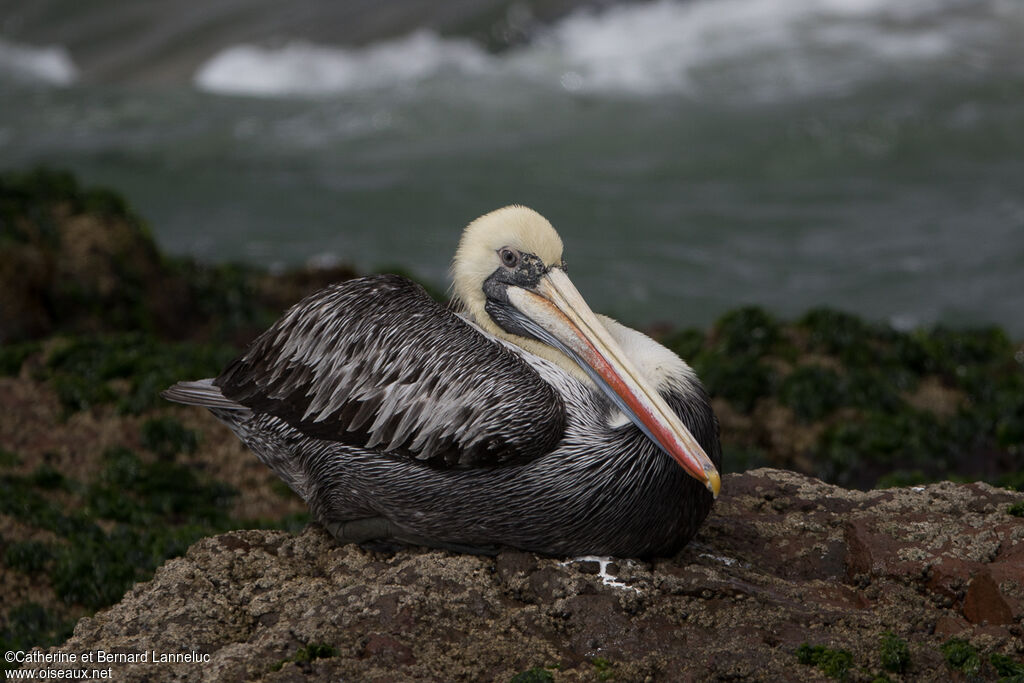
<point>518,417</point>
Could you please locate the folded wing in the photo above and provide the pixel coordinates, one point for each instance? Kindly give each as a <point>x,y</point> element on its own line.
<point>376,363</point>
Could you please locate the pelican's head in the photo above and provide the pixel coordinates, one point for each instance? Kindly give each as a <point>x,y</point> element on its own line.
<point>488,249</point>
<point>509,275</point>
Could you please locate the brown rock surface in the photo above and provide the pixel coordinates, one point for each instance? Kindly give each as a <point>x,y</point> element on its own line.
<point>784,559</point>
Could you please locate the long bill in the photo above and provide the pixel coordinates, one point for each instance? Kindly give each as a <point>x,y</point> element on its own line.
<point>555,312</point>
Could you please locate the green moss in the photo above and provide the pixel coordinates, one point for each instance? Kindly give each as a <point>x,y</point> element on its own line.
<point>812,392</point>
<point>75,293</point>
<point>747,331</point>
<point>950,350</point>
<point>130,490</point>
<point>731,364</point>
<point>161,508</point>
<point>1006,666</point>
<point>894,653</point>
<point>30,557</point>
<point>20,499</point>
<point>24,194</point>
<point>223,294</point>
<point>910,440</point>
<point>29,196</point>
<point>876,390</point>
<point>604,668</point>
<point>836,663</point>
<point>1017,509</point>
<point>741,381</point>
<point>105,202</point>
<point>686,343</point>
<point>9,459</point>
<point>79,393</point>
<point>832,663</point>
<point>743,458</point>
<point>12,357</point>
<point>152,292</point>
<point>98,568</point>
<point>30,625</point>
<point>537,674</point>
<point>309,653</point>
<point>128,369</point>
<point>1011,480</point>
<point>961,656</point>
<point>47,477</point>
<point>167,437</point>
<point>158,510</point>
<point>869,371</point>
<point>840,334</point>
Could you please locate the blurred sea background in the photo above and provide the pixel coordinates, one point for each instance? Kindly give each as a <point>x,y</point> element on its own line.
<point>702,159</point>
<point>695,155</point>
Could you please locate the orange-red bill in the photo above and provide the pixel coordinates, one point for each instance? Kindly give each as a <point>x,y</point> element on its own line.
<point>557,307</point>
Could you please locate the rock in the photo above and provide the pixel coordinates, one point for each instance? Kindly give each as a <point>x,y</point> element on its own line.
<point>783,560</point>
<point>78,260</point>
<point>984,603</point>
<point>74,257</point>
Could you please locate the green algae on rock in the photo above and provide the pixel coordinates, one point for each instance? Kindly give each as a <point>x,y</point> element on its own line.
<point>108,533</point>
<point>167,437</point>
<point>128,369</point>
<point>307,654</point>
<point>832,663</point>
<point>537,674</point>
<point>894,653</point>
<point>961,656</point>
<point>861,403</point>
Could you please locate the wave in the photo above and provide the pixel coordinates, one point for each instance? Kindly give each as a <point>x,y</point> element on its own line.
<point>307,69</point>
<point>50,65</point>
<point>747,49</point>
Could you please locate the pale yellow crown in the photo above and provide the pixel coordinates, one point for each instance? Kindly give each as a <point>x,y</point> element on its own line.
<point>477,258</point>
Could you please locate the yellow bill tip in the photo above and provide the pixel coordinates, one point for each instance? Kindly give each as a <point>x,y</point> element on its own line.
<point>713,481</point>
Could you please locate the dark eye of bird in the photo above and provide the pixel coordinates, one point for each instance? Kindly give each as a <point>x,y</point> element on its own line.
<point>509,257</point>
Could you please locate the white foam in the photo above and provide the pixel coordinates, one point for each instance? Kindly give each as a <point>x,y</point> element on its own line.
<point>746,49</point>
<point>754,48</point>
<point>307,69</point>
<point>50,65</point>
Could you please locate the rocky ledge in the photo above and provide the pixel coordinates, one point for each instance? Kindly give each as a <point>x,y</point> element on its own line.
<point>790,578</point>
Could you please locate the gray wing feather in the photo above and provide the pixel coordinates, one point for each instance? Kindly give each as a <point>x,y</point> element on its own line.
<point>377,363</point>
<point>201,393</point>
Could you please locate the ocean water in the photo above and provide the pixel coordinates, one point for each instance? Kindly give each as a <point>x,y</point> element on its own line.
<point>695,156</point>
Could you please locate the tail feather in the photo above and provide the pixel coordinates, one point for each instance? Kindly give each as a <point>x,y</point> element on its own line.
<point>201,392</point>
